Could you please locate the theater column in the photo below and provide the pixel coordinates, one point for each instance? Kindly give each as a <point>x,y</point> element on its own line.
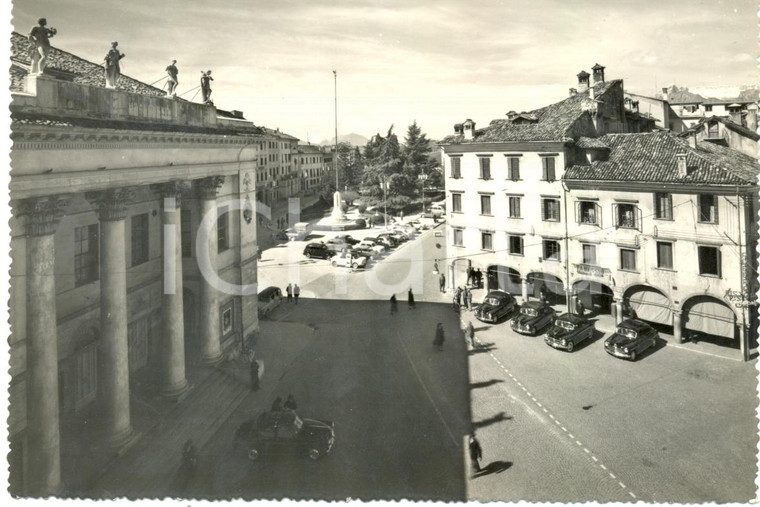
<point>43,431</point>
<point>209,299</point>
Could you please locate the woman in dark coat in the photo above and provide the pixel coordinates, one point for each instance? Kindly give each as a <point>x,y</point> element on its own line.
<point>439,337</point>
<point>411,299</point>
<point>394,304</point>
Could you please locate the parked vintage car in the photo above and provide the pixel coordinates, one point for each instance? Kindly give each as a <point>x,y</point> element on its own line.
<point>318,250</point>
<point>346,238</point>
<point>568,331</point>
<point>362,250</point>
<point>387,239</point>
<point>284,432</point>
<point>631,338</point>
<point>367,243</point>
<point>269,299</point>
<point>387,243</point>
<point>348,260</point>
<point>495,305</point>
<point>533,317</point>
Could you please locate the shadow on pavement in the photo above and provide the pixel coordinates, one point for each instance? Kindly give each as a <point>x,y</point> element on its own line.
<point>481,348</point>
<point>495,467</point>
<point>491,420</point>
<point>487,383</point>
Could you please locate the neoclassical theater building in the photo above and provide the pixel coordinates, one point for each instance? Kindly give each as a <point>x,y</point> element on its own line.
<point>133,252</point>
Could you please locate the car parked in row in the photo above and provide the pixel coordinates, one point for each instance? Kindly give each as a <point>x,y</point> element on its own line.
<point>631,338</point>
<point>285,433</point>
<point>348,260</point>
<point>568,331</point>
<point>318,250</point>
<point>495,305</point>
<point>346,238</point>
<point>386,241</point>
<point>368,243</point>
<point>534,316</point>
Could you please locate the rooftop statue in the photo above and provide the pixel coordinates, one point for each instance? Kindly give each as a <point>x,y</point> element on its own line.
<point>111,64</point>
<point>206,86</point>
<point>39,45</point>
<point>172,80</point>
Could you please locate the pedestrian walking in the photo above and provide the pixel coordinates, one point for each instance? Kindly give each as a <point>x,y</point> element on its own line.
<point>468,299</point>
<point>254,375</point>
<point>439,336</point>
<point>290,403</point>
<point>296,292</point>
<point>580,308</point>
<point>442,282</point>
<point>542,293</point>
<point>479,278</point>
<point>458,296</point>
<point>435,266</point>
<point>476,454</point>
<point>394,304</point>
<point>289,291</point>
<point>469,333</point>
<point>277,405</point>
<point>410,299</point>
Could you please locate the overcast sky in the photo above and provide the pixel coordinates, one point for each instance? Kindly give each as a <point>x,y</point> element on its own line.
<point>438,62</point>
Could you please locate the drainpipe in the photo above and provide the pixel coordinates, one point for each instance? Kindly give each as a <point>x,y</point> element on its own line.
<point>567,250</point>
<point>743,335</point>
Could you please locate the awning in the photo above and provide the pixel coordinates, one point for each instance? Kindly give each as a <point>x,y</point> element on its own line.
<point>710,316</point>
<point>586,289</point>
<point>553,284</point>
<point>651,305</point>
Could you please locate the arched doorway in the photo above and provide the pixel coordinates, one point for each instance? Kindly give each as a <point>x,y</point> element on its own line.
<point>595,296</point>
<point>504,278</point>
<point>647,303</point>
<point>554,288</point>
<point>458,272</point>
<point>707,318</point>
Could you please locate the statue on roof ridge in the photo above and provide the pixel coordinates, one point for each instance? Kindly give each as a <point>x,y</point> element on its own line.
<point>172,81</point>
<point>111,64</point>
<point>206,86</point>
<point>39,45</point>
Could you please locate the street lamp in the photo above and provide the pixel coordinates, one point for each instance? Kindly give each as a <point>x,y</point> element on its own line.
<point>384,185</point>
<point>422,177</point>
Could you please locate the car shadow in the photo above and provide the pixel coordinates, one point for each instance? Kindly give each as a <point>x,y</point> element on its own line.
<point>660,343</point>
<point>482,348</point>
<point>313,236</point>
<point>495,467</point>
<point>491,420</point>
<point>487,383</point>
<point>598,335</point>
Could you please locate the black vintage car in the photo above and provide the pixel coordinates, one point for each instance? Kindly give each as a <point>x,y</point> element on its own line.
<point>283,432</point>
<point>496,305</point>
<point>631,338</point>
<point>347,238</point>
<point>533,317</point>
<point>568,331</point>
<point>318,250</point>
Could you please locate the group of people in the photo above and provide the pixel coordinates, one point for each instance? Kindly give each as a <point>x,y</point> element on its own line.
<point>462,297</point>
<point>39,51</point>
<point>474,277</point>
<point>409,298</point>
<point>293,291</point>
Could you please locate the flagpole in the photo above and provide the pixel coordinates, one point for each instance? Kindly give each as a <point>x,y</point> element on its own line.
<point>335,79</point>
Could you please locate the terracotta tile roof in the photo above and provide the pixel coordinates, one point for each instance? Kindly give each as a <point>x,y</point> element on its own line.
<point>651,158</point>
<point>83,71</point>
<point>553,122</point>
<point>591,142</point>
<point>741,129</point>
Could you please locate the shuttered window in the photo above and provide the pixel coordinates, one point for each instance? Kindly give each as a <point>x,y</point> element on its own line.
<point>456,167</point>
<point>485,168</point>
<point>485,204</point>
<point>516,245</point>
<point>709,260</point>
<point>627,259</point>
<point>550,210</point>
<point>551,250</point>
<point>708,208</point>
<point>548,168</point>
<point>664,255</point>
<point>486,239</point>
<point>663,206</point>
<point>514,207</point>
<point>513,168</point>
<point>456,203</point>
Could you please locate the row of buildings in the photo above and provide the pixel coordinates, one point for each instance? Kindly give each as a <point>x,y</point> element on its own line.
<point>135,222</point>
<point>595,200</point>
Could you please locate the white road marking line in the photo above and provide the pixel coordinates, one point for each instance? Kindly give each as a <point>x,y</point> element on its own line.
<point>621,484</point>
<point>537,403</point>
<point>530,395</point>
<point>579,444</point>
<point>545,411</point>
<point>435,407</point>
<point>551,416</point>
<point>586,451</point>
<point>594,458</point>
<point>571,435</point>
<point>612,475</point>
<point>631,493</point>
<point>564,429</point>
<point>557,422</point>
<point>603,467</point>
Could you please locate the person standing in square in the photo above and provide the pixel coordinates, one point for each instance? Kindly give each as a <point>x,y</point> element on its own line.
<point>296,292</point>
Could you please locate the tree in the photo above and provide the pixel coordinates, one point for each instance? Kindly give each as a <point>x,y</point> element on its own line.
<point>416,152</point>
<point>383,161</point>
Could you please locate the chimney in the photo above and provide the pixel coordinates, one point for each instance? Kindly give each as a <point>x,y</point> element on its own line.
<point>573,91</point>
<point>469,129</point>
<point>752,117</point>
<point>458,129</point>
<point>693,139</point>
<point>635,106</point>
<point>598,71</point>
<point>682,172</point>
<point>665,94</point>
<point>583,81</point>
<point>591,93</point>
<point>735,113</point>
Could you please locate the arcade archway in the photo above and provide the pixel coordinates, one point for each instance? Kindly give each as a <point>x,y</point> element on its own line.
<point>706,318</point>
<point>595,296</point>
<point>550,285</point>
<point>650,304</point>
<point>504,278</point>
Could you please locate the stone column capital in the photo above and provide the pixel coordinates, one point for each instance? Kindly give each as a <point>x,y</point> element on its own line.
<point>43,213</point>
<point>172,190</point>
<point>113,203</point>
<point>207,188</point>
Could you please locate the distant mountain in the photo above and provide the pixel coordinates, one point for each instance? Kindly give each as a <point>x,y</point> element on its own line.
<point>352,139</point>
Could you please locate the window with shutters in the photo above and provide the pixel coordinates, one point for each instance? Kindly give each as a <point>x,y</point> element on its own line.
<point>86,254</point>
<point>485,204</point>
<point>456,203</point>
<point>456,167</point>
<point>222,229</point>
<point>548,164</point>
<point>709,260</point>
<point>516,245</point>
<point>626,215</point>
<point>589,254</point>
<point>458,237</point>
<point>551,250</point>
<point>485,168</point>
<point>587,212</point>
<point>513,168</point>
<point>550,210</point>
<point>664,255</point>
<point>627,259</point>
<point>663,206</point>
<point>514,206</point>
<point>486,240</point>
<point>139,238</point>
<point>708,208</point>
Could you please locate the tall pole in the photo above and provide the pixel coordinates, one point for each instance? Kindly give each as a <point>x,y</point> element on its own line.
<point>385,203</point>
<point>335,79</point>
